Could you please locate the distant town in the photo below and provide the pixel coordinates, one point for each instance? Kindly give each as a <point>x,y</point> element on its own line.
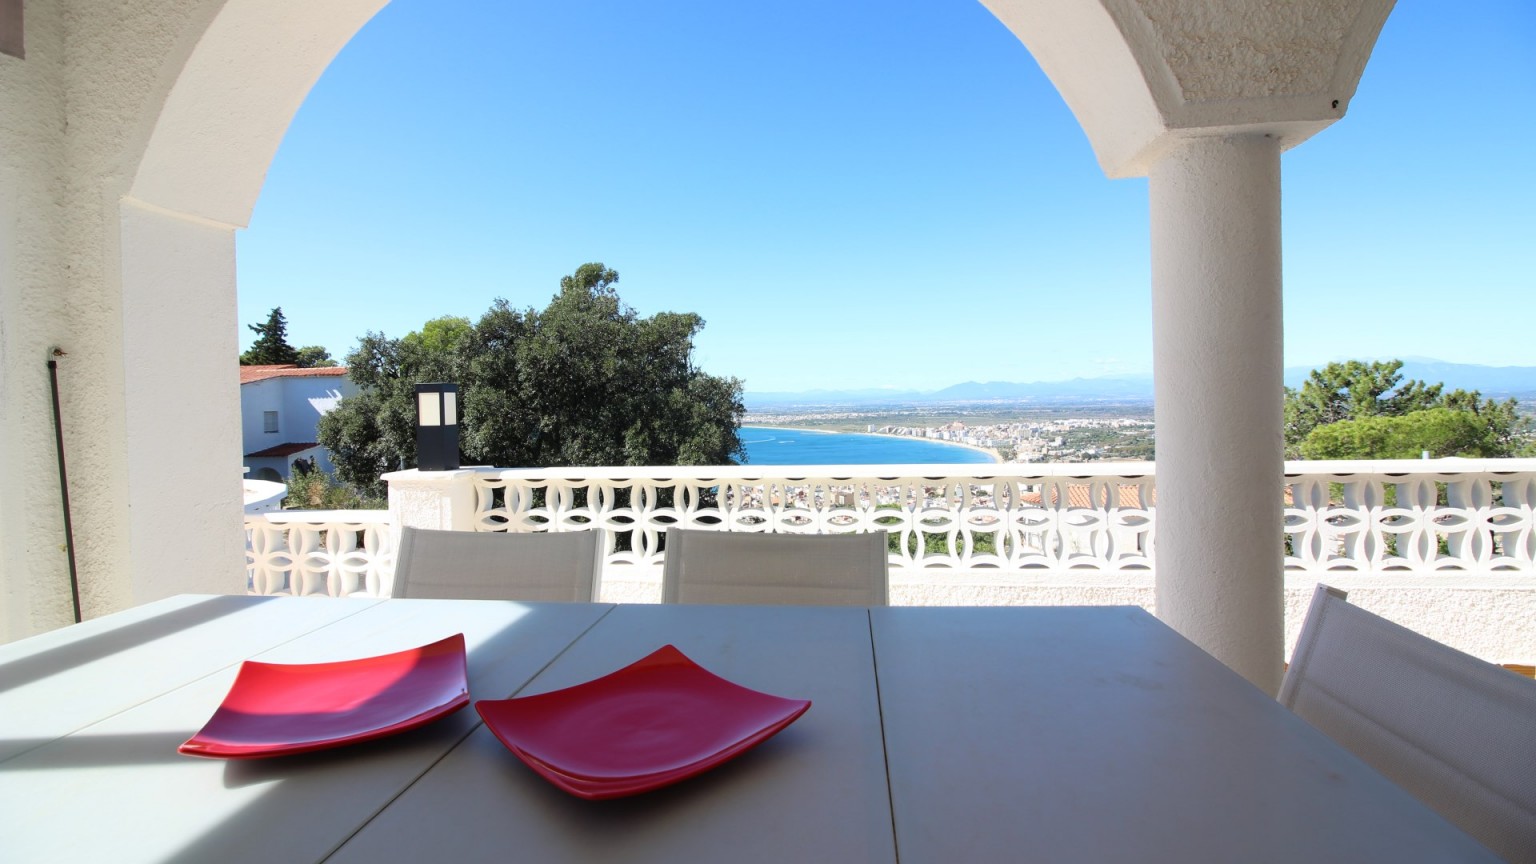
<point>1083,420</point>
<point>1059,433</point>
<point>1074,439</point>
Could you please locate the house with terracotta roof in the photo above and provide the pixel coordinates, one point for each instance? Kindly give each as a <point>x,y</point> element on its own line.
<point>280,410</point>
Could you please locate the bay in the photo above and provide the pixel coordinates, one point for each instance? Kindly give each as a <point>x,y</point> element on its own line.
<point>772,445</point>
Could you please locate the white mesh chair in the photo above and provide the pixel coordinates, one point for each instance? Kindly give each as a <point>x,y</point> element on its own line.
<point>1457,732</point>
<point>782,569</point>
<point>473,565</point>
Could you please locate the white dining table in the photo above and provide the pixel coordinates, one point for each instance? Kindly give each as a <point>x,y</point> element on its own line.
<point>1060,734</point>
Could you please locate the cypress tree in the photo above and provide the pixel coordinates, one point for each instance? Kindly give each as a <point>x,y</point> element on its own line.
<point>271,346</point>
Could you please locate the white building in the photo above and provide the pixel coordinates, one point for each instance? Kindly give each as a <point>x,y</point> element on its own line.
<point>280,411</point>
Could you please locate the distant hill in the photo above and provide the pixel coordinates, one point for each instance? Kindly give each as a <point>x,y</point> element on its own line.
<point>851,397</point>
<point>1494,381</point>
<point>1075,390</point>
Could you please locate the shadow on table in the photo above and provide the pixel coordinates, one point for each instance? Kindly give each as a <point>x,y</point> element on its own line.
<point>94,751</point>
<point>62,658</point>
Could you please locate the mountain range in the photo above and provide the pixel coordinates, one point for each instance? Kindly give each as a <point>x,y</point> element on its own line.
<point>1494,381</point>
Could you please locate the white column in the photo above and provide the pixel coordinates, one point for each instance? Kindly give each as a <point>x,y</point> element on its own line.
<point>181,403</point>
<point>1217,359</point>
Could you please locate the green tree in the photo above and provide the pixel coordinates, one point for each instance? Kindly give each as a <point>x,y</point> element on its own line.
<point>374,431</point>
<point>1349,391</point>
<point>314,357</point>
<point>585,381</point>
<point>440,336</point>
<point>1358,410</point>
<point>1439,431</point>
<point>1504,431</point>
<point>271,346</point>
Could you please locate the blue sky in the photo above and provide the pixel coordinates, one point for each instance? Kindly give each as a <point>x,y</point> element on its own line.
<point>853,198</point>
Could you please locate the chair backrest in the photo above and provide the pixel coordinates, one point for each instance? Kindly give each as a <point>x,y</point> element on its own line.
<point>784,569</point>
<point>1457,732</point>
<point>475,565</point>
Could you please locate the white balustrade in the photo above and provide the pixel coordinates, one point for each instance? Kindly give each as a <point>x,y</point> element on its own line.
<point>1422,517</point>
<point>1007,518</point>
<point>1445,547</point>
<point>1432,517</point>
<point>335,553</point>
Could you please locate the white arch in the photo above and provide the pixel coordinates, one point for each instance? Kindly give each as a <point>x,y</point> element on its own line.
<point>231,101</point>
<point>1142,77</point>
<point>193,169</point>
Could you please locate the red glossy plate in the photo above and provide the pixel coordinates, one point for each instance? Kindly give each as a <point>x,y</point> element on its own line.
<point>658,721</point>
<point>279,709</point>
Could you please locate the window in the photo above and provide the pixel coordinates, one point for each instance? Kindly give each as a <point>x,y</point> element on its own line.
<point>269,421</point>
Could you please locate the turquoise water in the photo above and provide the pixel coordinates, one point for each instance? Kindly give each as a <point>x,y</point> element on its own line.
<point>773,446</point>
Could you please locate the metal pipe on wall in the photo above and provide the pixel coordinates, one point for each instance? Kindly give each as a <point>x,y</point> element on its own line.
<point>69,529</point>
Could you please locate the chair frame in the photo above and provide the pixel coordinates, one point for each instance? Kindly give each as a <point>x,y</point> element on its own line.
<point>1455,731</point>
<point>585,545</point>
<point>873,543</point>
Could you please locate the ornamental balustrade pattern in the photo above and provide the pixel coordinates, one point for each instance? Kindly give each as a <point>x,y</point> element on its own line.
<point>938,516</point>
<point>1418,517</point>
<point>333,553</point>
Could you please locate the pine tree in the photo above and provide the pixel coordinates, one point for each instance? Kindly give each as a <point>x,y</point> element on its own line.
<point>271,346</point>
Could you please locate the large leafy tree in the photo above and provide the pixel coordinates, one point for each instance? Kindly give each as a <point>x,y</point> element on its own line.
<point>1358,410</point>
<point>584,381</point>
<point>314,356</point>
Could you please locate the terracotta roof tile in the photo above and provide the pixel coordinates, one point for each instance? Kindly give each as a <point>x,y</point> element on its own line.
<point>249,374</point>
<point>1077,496</point>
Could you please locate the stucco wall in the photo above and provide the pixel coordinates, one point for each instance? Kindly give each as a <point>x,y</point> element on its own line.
<point>65,174</point>
<point>34,579</point>
<point>130,269</point>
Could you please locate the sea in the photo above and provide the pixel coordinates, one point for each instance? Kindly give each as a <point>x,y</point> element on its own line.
<point>772,445</point>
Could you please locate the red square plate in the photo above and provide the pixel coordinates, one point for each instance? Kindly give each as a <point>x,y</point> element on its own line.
<point>653,723</point>
<point>278,709</point>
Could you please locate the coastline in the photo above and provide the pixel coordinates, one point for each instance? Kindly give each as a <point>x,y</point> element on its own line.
<point>799,429</point>
<point>996,457</point>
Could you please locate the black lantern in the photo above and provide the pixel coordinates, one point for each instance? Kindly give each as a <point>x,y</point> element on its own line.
<point>437,426</point>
